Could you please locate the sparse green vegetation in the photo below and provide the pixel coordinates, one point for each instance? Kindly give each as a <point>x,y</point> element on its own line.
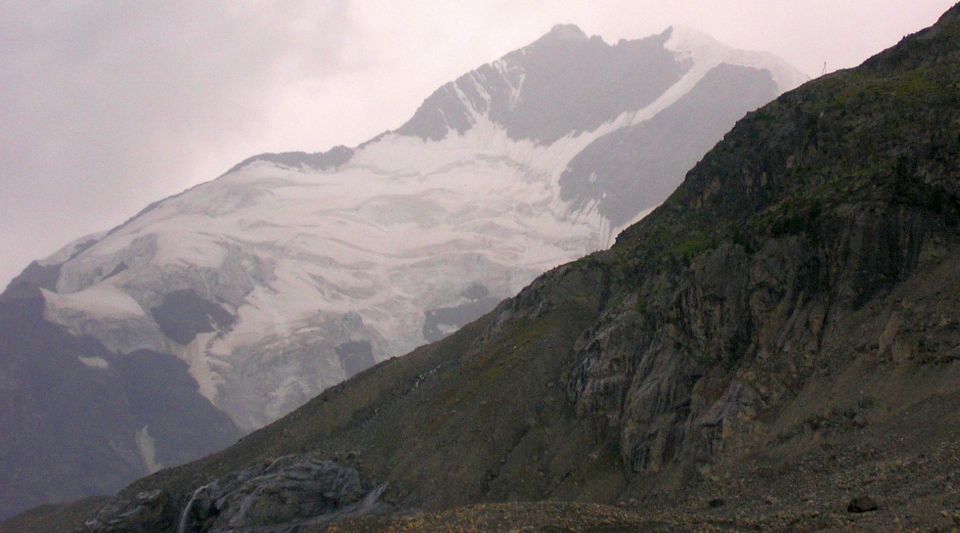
<point>696,245</point>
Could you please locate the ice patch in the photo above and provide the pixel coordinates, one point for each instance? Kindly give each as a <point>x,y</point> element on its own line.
<point>94,362</point>
<point>707,52</point>
<point>148,450</point>
<point>101,300</point>
<point>66,252</point>
<point>200,366</point>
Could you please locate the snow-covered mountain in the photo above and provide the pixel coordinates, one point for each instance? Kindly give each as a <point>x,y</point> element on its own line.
<point>293,271</point>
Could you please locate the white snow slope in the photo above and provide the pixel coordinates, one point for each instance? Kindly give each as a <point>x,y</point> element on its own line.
<point>309,261</point>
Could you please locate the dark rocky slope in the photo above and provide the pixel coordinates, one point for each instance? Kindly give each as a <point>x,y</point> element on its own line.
<point>77,419</point>
<point>781,336</point>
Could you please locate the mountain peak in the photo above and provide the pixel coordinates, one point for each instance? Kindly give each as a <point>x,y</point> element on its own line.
<point>684,37</point>
<point>566,32</point>
<point>548,88</point>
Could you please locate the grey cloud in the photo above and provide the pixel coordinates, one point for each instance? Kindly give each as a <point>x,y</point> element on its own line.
<point>107,106</point>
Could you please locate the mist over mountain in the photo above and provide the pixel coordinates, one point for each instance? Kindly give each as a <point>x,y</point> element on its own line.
<point>234,302</point>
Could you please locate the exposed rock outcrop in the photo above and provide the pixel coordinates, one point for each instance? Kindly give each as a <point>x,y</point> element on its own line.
<point>280,494</point>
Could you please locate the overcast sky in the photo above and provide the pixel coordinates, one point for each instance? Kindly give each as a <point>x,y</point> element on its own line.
<point>107,106</point>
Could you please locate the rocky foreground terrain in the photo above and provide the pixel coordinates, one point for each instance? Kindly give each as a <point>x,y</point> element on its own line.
<point>776,347</point>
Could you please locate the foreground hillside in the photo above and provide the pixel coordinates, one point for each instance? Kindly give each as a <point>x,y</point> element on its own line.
<point>776,346</point>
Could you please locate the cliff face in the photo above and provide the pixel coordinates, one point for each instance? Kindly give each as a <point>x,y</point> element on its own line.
<point>780,261</point>
<point>783,331</point>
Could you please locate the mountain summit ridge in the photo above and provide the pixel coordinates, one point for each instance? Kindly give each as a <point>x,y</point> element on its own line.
<point>570,32</point>
<point>679,39</point>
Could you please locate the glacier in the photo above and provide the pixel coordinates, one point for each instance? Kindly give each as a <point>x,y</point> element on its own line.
<point>291,272</point>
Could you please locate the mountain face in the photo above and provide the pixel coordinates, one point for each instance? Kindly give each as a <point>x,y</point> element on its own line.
<point>778,339</point>
<point>79,419</point>
<point>295,271</point>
